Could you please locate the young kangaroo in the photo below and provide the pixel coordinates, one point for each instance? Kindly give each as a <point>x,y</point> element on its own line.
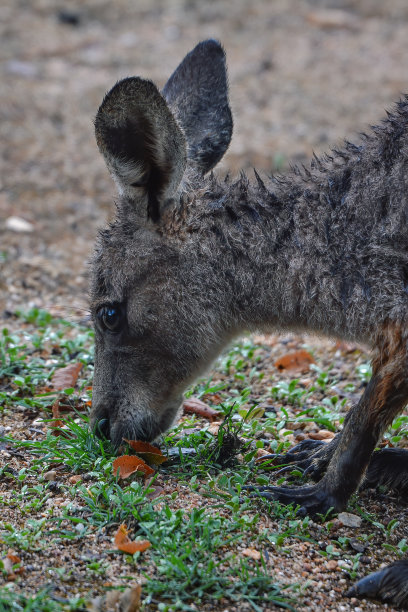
<point>191,261</point>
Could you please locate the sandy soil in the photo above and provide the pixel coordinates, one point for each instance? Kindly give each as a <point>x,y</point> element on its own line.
<point>304,74</point>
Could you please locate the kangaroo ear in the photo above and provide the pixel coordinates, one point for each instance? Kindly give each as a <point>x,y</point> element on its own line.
<point>197,93</point>
<point>143,147</point>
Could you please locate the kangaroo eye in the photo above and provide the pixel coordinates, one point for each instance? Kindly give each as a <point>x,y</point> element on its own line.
<point>111,317</point>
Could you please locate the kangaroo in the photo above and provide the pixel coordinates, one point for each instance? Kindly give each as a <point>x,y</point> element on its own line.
<point>192,260</point>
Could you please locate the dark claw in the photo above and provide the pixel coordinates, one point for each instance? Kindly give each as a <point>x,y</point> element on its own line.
<point>310,456</point>
<point>301,452</point>
<point>287,468</point>
<point>312,500</point>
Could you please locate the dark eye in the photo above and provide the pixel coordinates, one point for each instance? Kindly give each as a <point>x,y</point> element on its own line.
<point>111,317</point>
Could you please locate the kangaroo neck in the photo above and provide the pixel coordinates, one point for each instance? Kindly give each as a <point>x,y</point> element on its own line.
<point>286,266</point>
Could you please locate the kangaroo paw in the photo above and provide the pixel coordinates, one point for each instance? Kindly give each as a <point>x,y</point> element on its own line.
<point>311,456</point>
<point>389,585</point>
<point>312,500</point>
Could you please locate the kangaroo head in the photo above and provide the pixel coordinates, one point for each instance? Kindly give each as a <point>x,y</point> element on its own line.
<point>146,296</point>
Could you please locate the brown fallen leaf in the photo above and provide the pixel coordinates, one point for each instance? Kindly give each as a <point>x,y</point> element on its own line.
<point>193,405</point>
<point>9,561</point>
<point>128,464</point>
<point>56,422</point>
<point>252,553</point>
<point>125,544</point>
<point>149,452</point>
<point>322,434</point>
<point>214,428</point>
<point>65,378</point>
<point>130,600</point>
<point>155,492</point>
<point>298,360</point>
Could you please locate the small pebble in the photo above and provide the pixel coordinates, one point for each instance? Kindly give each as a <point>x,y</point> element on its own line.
<point>51,475</point>
<point>18,225</point>
<point>349,520</point>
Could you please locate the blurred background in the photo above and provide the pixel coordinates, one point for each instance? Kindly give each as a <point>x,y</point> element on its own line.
<point>304,74</point>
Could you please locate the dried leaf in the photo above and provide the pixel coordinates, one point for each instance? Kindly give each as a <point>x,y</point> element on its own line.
<point>322,434</point>
<point>56,423</point>
<point>55,410</point>
<point>130,599</point>
<point>8,562</point>
<point>192,405</point>
<point>298,360</point>
<point>214,428</point>
<point>151,453</point>
<point>128,464</point>
<point>252,553</point>
<point>65,378</point>
<point>155,492</point>
<point>125,544</point>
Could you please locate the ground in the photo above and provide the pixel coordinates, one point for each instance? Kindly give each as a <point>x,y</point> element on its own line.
<point>303,75</point>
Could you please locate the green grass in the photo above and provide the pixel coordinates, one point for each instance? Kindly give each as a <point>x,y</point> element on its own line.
<point>40,602</point>
<point>194,557</point>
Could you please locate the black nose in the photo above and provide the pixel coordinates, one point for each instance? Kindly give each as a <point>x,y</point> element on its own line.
<point>102,428</point>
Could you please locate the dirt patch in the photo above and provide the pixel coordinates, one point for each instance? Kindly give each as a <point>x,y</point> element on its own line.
<point>303,76</point>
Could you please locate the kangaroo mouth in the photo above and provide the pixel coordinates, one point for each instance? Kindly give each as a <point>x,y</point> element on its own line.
<point>134,424</point>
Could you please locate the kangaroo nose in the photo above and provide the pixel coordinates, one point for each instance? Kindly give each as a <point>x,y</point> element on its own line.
<point>102,428</point>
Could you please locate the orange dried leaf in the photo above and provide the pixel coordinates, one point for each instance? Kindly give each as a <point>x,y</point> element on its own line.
<point>57,430</point>
<point>322,434</point>
<point>131,599</point>
<point>128,464</point>
<point>298,360</point>
<point>155,492</point>
<point>13,558</point>
<point>56,423</point>
<point>151,453</point>
<point>125,544</point>
<point>252,553</point>
<point>65,378</point>
<point>9,563</point>
<point>56,410</point>
<point>143,447</point>
<point>192,405</point>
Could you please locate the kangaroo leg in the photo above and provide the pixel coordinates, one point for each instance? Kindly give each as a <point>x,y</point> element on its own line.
<point>384,397</point>
<point>387,467</point>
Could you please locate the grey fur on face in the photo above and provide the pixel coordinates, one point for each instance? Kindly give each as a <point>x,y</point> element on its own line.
<point>192,261</point>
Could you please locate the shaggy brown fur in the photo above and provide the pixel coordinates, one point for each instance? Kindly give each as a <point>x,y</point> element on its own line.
<point>192,261</point>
